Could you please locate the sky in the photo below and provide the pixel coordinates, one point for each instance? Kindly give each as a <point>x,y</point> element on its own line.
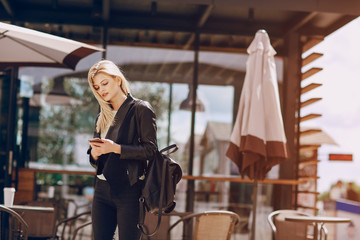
<point>340,106</point>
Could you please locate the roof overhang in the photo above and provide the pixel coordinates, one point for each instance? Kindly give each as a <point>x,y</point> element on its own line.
<point>224,25</point>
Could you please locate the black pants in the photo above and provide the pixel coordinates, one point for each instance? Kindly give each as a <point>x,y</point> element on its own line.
<point>109,210</point>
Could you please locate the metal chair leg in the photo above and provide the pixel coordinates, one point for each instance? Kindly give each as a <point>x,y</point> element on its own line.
<point>323,231</point>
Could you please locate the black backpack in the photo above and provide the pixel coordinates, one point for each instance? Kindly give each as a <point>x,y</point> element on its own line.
<point>159,187</point>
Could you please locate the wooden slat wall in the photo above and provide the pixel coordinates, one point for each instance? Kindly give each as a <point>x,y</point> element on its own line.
<point>26,186</point>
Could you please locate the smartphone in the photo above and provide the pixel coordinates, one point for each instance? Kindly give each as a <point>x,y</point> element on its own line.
<point>95,140</point>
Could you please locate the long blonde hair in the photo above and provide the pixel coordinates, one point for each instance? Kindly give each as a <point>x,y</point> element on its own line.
<point>106,116</point>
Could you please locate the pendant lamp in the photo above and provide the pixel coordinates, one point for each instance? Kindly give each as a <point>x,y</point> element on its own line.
<point>187,103</point>
<point>58,96</point>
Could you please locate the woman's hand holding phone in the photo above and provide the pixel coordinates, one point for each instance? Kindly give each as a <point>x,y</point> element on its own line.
<point>95,144</point>
<point>102,146</point>
<point>96,140</point>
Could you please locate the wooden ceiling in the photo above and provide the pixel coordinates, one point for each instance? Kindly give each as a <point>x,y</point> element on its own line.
<point>224,25</point>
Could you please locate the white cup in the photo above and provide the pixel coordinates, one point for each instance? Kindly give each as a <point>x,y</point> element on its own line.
<point>9,194</point>
<point>51,191</point>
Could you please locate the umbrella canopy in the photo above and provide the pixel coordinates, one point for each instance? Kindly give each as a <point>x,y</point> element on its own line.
<point>25,47</point>
<point>258,139</point>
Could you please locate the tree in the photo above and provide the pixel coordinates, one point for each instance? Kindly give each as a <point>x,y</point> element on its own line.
<point>59,124</point>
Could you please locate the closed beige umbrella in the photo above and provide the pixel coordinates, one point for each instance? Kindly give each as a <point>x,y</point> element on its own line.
<point>258,140</point>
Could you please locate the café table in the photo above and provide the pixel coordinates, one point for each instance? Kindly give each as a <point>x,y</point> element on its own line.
<point>23,208</point>
<point>318,222</point>
<point>40,219</point>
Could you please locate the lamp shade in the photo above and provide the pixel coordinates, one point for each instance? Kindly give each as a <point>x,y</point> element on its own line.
<point>58,96</point>
<point>187,103</point>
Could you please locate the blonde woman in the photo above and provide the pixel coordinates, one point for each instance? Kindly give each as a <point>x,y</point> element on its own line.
<point>124,138</point>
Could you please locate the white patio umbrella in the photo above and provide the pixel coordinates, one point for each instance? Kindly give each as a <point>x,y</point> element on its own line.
<point>25,47</point>
<point>258,140</point>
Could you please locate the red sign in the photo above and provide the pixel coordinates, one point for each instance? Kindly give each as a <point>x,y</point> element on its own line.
<point>340,157</point>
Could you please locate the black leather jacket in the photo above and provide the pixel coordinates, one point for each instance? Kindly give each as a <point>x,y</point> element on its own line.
<point>135,130</point>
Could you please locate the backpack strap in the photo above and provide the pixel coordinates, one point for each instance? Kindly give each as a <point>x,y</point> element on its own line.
<point>172,147</point>
<point>142,211</point>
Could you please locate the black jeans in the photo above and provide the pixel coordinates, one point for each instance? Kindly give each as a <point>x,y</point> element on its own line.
<point>109,210</point>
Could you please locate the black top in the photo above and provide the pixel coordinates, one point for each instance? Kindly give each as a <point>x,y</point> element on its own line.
<point>135,130</point>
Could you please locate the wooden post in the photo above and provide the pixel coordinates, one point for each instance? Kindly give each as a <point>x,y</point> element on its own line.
<point>283,195</point>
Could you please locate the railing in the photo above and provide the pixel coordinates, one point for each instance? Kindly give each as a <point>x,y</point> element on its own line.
<point>244,180</point>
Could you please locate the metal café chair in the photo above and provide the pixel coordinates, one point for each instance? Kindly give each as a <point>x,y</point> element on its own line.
<point>210,225</point>
<point>61,206</point>
<point>41,223</point>
<point>77,223</point>
<point>77,231</point>
<point>284,230</point>
<point>15,224</point>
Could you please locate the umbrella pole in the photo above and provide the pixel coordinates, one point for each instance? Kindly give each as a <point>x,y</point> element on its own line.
<point>252,237</point>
